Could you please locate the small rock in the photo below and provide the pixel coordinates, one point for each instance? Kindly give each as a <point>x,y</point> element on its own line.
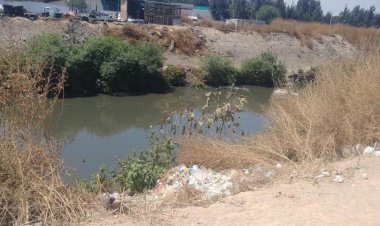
<point>278,166</point>
<point>364,176</point>
<point>377,153</point>
<point>338,179</point>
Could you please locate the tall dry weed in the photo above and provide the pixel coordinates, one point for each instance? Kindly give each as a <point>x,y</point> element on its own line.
<point>306,31</point>
<point>340,109</point>
<point>32,189</point>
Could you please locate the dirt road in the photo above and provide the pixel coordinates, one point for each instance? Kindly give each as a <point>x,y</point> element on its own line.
<point>354,202</point>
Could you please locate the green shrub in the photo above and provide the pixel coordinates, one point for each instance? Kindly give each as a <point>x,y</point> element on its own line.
<point>265,70</point>
<point>134,71</point>
<point>175,75</point>
<point>219,71</point>
<point>49,50</point>
<point>141,171</point>
<point>267,13</point>
<point>104,65</point>
<point>84,72</point>
<point>197,84</point>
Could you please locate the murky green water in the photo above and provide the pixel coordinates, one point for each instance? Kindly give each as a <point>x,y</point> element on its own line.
<point>98,130</point>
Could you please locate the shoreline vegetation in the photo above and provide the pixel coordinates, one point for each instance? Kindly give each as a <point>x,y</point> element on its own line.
<point>338,110</point>
<point>110,66</point>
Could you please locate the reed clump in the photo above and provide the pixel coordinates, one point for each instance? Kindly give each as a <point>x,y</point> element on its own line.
<point>32,189</point>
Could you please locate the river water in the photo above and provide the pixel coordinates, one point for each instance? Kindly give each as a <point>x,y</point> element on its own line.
<point>99,130</point>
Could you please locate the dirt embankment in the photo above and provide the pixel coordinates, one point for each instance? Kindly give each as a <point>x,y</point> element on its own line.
<point>238,46</point>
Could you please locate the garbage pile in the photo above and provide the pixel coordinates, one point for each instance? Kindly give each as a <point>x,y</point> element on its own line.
<point>362,149</point>
<point>210,183</point>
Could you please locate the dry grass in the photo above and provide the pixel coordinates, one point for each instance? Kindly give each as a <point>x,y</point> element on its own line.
<point>341,108</point>
<point>187,42</point>
<point>213,154</point>
<point>32,189</point>
<point>305,31</point>
<point>354,35</point>
<point>132,32</point>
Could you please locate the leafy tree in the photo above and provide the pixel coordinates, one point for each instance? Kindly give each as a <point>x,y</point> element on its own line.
<point>281,6</point>
<point>291,12</point>
<point>239,9</point>
<point>344,15</point>
<point>267,13</point>
<point>76,4</point>
<point>360,17</point>
<point>219,9</point>
<point>328,18</point>
<point>257,4</point>
<point>309,10</point>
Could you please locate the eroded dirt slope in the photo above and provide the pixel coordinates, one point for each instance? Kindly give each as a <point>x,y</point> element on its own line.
<point>235,45</point>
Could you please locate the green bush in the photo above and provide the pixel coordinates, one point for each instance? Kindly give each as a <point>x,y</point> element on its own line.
<point>219,71</point>
<point>175,75</point>
<point>134,71</point>
<point>265,70</point>
<point>141,171</point>
<point>267,13</point>
<point>84,68</point>
<point>48,50</point>
<point>100,65</point>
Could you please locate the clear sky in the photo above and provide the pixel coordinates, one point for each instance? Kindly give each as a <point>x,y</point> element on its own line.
<point>337,6</point>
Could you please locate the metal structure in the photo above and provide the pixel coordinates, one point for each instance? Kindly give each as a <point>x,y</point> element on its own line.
<point>162,13</point>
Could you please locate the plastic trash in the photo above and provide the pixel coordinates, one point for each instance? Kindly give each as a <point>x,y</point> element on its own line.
<point>368,150</point>
<point>183,170</point>
<point>338,179</point>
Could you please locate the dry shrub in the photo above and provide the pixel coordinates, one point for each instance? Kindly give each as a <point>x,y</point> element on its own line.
<point>32,189</point>
<point>132,32</point>
<point>185,196</point>
<point>341,109</point>
<point>307,42</point>
<point>187,42</point>
<point>205,23</point>
<point>314,30</point>
<point>214,154</point>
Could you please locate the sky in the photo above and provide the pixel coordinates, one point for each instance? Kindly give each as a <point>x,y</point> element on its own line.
<point>337,6</point>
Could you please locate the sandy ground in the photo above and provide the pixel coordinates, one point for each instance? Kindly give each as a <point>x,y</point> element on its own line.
<point>301,202</point>
<point>239,46</point>
<point>235,45</point>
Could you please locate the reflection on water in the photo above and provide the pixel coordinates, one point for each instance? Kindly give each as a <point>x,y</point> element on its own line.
<point>99,129</point>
